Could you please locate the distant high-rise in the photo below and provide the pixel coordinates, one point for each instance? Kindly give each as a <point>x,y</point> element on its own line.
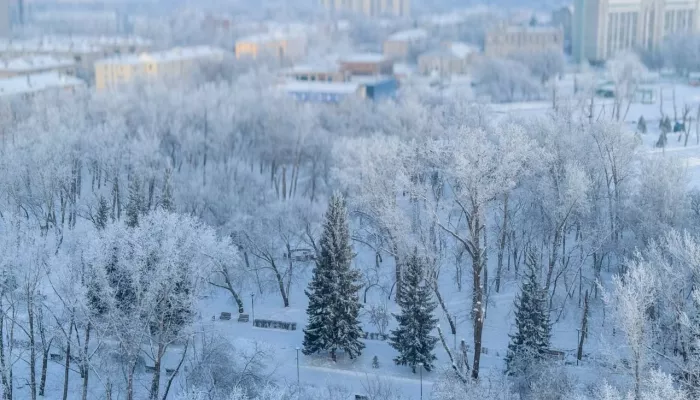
<point>4,18</point>
<point>603,28</point>
<point>369,8</point>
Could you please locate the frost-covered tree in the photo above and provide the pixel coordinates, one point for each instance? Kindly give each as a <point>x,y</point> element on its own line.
<point>533,329</point>
<point>632,296</point>
<point>412,338</point>
<point>334,303</point>
<point>135,204</point>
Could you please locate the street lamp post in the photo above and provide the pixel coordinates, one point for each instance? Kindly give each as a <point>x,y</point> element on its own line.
<point>420,366</point>
<point>252,306</point>
<point>297,365</point>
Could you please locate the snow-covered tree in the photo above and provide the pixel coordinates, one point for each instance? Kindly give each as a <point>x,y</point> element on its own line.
<point>135,204</point>
<point>533,329</point>
<point>412,338</point>
<point>632,296</point>
<point>334,304</point>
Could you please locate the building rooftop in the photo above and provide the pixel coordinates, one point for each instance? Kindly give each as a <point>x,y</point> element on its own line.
<point>70,43</point>
<point>308,68</point>
<point>177,53</point>
<point>37,83</point>
<point>532,29</point>
<point>409,35</point>
<point>34,63</point>
<point>269,37</point>
<point>364,58</point>
<point>320,87</point>
<point>454,49</point>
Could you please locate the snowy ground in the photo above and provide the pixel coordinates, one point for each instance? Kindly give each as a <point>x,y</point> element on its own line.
<point>355,374</point>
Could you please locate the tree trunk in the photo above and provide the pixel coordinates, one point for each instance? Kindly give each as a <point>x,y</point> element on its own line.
<point>478,294</point>
<point>502,244</point>
<point>130,381</point>
<point>584,328</point>
<point>32,345</point>
<point>66,369</point>
<point>155,383</point>
<point>85,368</point>
<point>453,328</point>
<point>6,384</point>
<point>280,283</point>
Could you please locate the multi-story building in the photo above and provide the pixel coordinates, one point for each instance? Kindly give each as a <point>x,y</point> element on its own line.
<point>36,64</point>
<point>406,44</point>
<point>41,82</point>
<point>175,63</point>
<point>562,17</point>
<point>279,46</point>
<point>369,8</point>
<point>336,92</point>
<point>4,18</point>
<point>85,50</point>
<point>603,28</point>
<point>366,64</point>
<point>452,58</point>
<point>315,73</point>
<point>507,40</point>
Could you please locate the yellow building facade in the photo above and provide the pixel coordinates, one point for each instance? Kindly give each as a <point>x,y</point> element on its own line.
<point>175,63</point>
<point>277,46</point>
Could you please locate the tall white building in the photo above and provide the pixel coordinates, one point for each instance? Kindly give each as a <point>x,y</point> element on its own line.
<point>4,18</point>
<point>602,28</point>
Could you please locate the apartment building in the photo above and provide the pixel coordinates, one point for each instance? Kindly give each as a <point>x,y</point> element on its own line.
<point>36,64</point>
<point>369,8</point>
<point>507,40</point>
<point>315,73</point>
<point>85,50</point>
<point>406,44</point>
<point>174,63</point>
<point>279,46</point>
<point>451,58</point>
<point>366,64</point>
<point>603,28</point>
<point>42,82</point>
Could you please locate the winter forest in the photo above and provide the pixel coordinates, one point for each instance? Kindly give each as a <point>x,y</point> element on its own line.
<point>214,239</point>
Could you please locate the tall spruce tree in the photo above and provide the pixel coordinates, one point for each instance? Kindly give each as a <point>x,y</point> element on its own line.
<point>135,205</point>
<point>102,214</point>
<point>334,303</point>
<point>412,338</point>
<point>166,200</point>
<point>531,340</point>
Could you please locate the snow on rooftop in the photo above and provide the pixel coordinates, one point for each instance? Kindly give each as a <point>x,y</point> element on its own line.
<point>409,35</point>
<point>37,83</point>
<point>462,50</point>
<point>34,63</point>
<point>316,67</point>
<point>364,58</point>
<point>270,37</point>
<point>534,29</point>
<point>71,43</point>
<point>320,87</point>
<point>175,54</point>
<point>454,49</point>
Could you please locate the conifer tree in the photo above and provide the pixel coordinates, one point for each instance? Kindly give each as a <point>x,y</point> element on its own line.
<point>100,219</point>
<point>532,321</point>
<point>641,125</point>
<point>334,303</point>
<point>412,338</point>
<point>166,200</point>
<point>135,205</point>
